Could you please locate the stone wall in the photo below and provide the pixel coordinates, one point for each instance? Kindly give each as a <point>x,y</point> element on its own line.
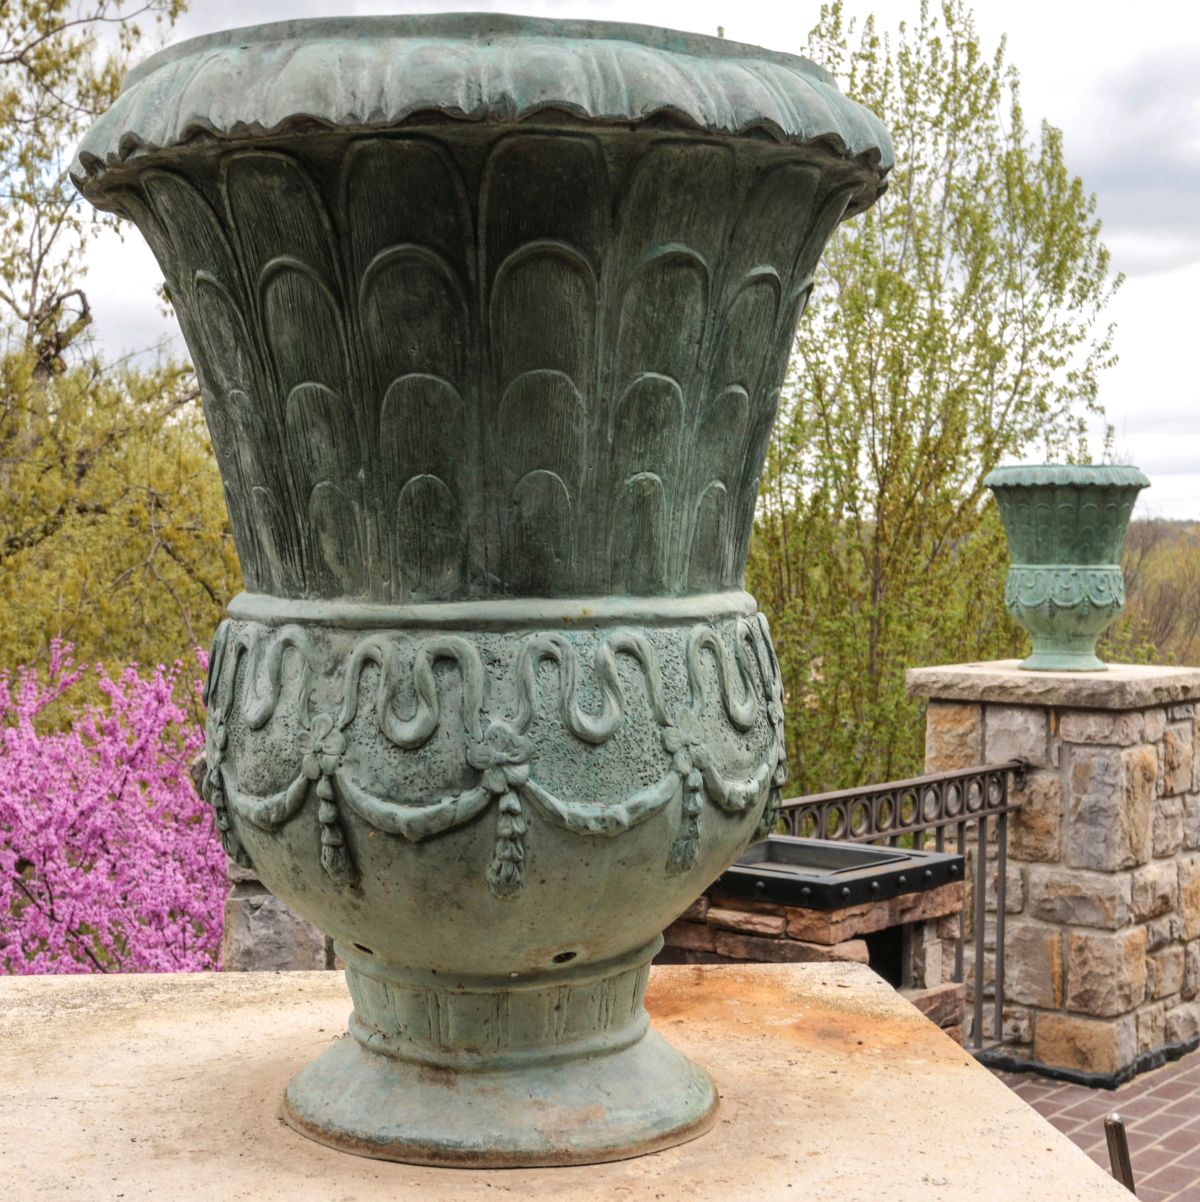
<point>719,929</point>
<point>1102,953</point>
<point>262,934</point>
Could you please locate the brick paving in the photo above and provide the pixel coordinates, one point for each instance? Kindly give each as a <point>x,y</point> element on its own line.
<point>1161,1110</point>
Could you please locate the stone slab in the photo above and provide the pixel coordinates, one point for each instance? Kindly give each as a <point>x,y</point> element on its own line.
<point>1119,687</point>
<point>832,1087</point>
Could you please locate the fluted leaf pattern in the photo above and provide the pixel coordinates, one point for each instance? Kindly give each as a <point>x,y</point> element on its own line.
<point>490,363</point>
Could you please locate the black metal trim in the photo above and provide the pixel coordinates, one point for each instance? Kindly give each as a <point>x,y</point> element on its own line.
<point>886,873</point>
<point>905,807</point>
<point>996,1058</point>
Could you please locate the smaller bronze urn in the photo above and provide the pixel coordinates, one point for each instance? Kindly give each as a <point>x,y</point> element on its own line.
<point>1065,526</point>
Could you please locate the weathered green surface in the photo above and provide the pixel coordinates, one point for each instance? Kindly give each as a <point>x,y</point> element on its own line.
<point>490,316</point>
<point>1065,526</point>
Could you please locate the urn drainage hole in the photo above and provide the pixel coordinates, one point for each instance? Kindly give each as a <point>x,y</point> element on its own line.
<point>565,957</point>
<point>366,951</point>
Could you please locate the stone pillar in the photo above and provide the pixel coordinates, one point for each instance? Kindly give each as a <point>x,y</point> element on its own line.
<point>1102,954</point>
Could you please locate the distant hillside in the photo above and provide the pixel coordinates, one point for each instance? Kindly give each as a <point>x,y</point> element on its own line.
<point>1161,622</point>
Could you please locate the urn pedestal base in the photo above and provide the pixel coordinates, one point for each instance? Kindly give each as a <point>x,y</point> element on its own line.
<point>544,1069</point>
<point>1062,654</point>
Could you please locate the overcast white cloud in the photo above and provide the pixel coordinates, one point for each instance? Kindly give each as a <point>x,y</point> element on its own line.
<point>1124,89</point>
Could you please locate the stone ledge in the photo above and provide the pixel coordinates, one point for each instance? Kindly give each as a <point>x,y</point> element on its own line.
<point>1121,687</point>
<point>168,1087</point>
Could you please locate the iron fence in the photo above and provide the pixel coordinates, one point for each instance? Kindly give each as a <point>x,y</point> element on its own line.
<point>966,803</point>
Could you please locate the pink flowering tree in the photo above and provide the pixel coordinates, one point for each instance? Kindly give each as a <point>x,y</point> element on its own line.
<point>109,861</point>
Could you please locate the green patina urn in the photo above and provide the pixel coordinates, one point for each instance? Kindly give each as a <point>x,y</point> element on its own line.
<point>490,317</point>
<point>1065,526</point>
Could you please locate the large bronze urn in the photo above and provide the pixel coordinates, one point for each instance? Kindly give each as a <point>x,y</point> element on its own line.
<point>490,316</point>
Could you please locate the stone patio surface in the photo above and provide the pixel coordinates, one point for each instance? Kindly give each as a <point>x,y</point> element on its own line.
<point>832,1088</point>
<point>1161,1110</point>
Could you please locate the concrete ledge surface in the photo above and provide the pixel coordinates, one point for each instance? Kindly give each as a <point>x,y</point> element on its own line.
<point>832,1088</point>
<point>1118,687</point>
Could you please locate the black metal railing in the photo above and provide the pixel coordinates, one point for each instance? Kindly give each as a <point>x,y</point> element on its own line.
<point>965,802</point>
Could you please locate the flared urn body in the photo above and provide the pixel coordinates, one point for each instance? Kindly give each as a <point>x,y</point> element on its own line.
<point>490,317</point>
<point>1065,525</point>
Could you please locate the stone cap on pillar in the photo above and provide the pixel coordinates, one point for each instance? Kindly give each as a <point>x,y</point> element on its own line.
<point>1118,687</point>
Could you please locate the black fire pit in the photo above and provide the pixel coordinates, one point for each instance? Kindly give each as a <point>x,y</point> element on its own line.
<point>822,875</point>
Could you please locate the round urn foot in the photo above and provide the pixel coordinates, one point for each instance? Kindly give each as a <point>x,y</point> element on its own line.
<point>554,1069</point>
<point>1060,658</point>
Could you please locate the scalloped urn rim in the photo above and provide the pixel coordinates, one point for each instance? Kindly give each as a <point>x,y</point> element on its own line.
<point>382,72</point>
<point>1102,475</point>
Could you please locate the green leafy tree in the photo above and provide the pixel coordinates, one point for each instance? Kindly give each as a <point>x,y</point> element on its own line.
<point>113,531</point>
<point>955,325</point>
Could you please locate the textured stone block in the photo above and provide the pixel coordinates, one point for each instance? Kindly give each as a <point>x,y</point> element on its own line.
<point>1167,833</point>
<point>1121,728</point>
<point>785,951</point>
<point>1189,895</point>
<point>696,911</point>
<point>1155,723</point>
<point>1155,890</point>
<point>1177,753</point>
<point>1016,732</point>
<point>941,1004</point>
<point>727,902</point>
<point>1014,888</point>
<point>1088,1045</point>
<point>953,736</point>
<point>1076,897</point>
<point>947,928</point>
<point>1164,930</point>
<point>1110,806</point>
<point>1191,969</point>
<point>751,923</point>
<point>1122,687</point>
<point>1106,972</point>
<point>262,934</point>
<point>1183,1023</point>
<point>1191,821</point>
<point>1151,1027</point>
<point>1033,971</point>
<point>835,926</point>
<point>926,956</point>
<point>926,905</point>
<point>1165,971</point>
<point>1016,1024</point>
<point>695,936</point>
<point>1034,830</point>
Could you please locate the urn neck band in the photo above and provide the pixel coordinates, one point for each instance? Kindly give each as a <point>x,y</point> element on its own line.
<point>501,614</point>
<point>483,1024</point>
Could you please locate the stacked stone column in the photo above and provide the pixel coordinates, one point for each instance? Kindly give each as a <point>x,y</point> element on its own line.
<point>1102,952</point>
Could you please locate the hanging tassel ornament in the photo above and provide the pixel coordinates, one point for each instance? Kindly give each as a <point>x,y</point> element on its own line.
<point>506,873</point>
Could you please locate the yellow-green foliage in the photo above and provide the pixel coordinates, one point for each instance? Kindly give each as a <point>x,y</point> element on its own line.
<point>113,531</point>
<point>1161,623</point>
<point>953,326</point>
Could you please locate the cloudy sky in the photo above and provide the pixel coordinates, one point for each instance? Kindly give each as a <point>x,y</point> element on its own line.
<point>1125,90</point>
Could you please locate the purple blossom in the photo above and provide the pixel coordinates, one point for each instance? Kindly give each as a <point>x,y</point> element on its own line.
<point>109,861</point>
